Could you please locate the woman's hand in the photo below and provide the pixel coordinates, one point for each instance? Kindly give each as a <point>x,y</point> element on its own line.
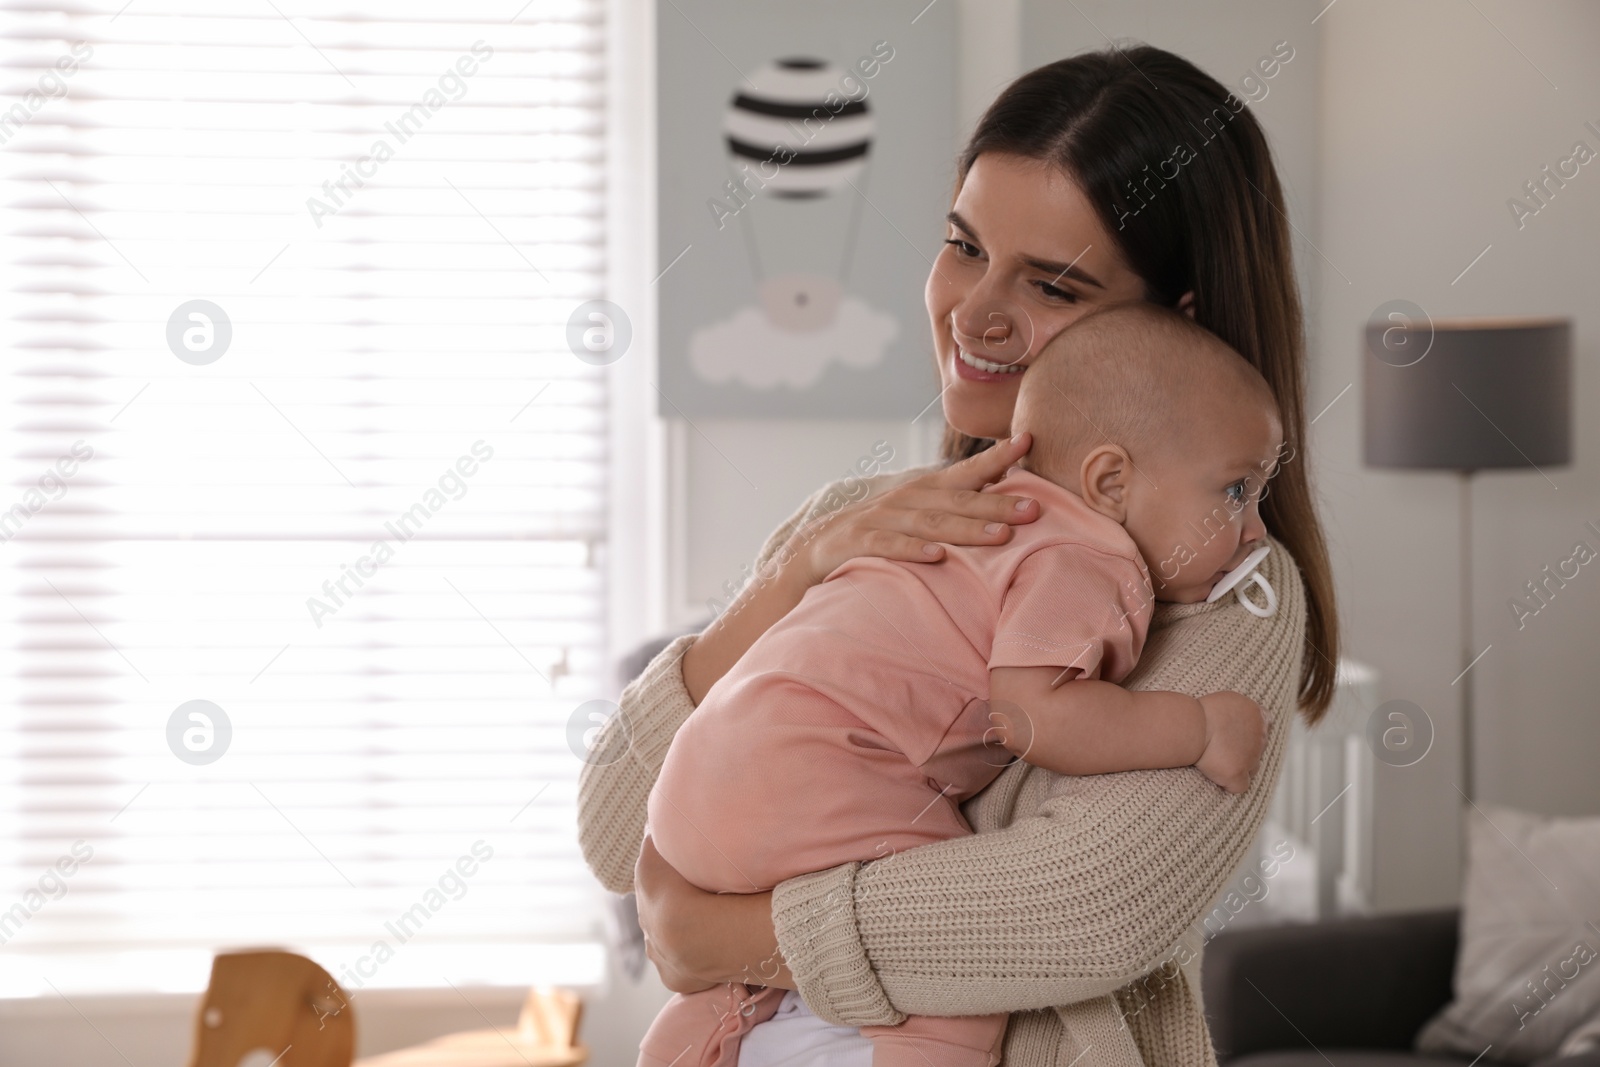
<point>908,522</point>
<point>904,523</point>
<point>698,939</point>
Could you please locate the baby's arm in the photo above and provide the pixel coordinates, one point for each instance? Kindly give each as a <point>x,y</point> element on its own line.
<point>1088,726</point>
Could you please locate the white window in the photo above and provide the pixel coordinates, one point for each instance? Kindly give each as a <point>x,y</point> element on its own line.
<point>356,499</point>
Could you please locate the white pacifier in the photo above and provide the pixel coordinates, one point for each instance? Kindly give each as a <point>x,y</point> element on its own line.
<point>1242,576</point>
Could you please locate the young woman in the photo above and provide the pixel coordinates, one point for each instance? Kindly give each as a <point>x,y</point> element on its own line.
<point>1106,177</point>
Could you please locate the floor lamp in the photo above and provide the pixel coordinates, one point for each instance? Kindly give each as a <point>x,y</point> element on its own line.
<point>1467,395</point>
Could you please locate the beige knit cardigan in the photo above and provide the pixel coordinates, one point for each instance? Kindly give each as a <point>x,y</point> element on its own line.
<point>1076,904</point>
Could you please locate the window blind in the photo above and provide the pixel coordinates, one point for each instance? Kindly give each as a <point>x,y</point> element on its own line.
<point>305,493</point>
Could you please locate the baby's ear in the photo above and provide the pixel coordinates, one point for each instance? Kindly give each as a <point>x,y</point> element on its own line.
<point>1104,481</point>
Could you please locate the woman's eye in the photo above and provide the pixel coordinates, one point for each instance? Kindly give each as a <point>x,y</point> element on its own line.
<point>1055,292</point>
<point>963,248</point>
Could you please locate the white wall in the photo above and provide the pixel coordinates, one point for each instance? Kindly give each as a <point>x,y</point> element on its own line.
<point>1430,120</point>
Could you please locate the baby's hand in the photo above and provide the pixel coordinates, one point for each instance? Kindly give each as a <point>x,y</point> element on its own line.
<point>1236,732</point>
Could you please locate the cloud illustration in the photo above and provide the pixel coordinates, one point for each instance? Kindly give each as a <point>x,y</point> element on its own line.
<point>751,350</point>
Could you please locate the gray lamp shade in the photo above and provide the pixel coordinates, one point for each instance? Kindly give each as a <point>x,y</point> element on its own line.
<point>1468,394</point>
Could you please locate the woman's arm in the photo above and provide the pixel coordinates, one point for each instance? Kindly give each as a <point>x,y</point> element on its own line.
<point>626,757</point>
<point>902,517</point>
<point>1075,901</point>
<point>772,595</point>
<point>907,524</point>
<point>687,920</point>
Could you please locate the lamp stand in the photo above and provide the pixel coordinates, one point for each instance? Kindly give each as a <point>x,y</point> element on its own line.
<point>1468,733</point>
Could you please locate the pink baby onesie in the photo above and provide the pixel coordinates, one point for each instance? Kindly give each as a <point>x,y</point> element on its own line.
<point>854,727</point>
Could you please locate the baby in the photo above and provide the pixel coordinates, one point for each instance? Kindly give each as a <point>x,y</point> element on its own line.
<point>856,725</point>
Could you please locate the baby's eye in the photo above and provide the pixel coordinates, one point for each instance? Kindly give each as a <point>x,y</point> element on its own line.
<point>1236,492</point>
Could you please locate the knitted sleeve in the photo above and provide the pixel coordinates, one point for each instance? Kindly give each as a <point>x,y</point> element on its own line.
<point>625,760</point>
<point>1085,894</point>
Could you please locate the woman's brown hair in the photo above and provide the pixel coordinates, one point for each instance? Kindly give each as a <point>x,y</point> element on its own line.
<point>1208,217</point>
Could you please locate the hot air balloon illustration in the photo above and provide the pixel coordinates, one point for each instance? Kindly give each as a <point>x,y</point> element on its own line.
<point>798,146</point>
<point>796,105</point>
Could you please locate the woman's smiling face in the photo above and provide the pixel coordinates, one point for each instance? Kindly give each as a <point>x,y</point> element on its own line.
<point>1024,256</point>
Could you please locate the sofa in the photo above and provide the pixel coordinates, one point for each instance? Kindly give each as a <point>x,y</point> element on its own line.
<point>1341,993</point>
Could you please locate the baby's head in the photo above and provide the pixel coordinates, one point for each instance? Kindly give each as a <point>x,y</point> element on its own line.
<point>1158,424</point>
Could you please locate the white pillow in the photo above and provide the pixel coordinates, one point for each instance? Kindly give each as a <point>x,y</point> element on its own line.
<point>1527,978</point>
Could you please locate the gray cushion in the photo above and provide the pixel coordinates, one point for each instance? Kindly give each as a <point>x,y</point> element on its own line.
<point>1527,978</point>
<point>1588,1058</point>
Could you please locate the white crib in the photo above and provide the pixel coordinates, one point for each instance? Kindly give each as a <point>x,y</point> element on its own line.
<point>1321,815</point>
